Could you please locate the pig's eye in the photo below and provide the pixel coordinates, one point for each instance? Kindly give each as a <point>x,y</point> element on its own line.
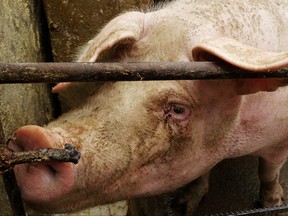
<point>176,111</point>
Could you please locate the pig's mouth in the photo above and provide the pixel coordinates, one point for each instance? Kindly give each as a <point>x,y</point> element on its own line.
<point>41,183</point>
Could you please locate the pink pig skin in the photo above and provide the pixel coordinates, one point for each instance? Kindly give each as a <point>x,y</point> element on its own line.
<point>145,138</point>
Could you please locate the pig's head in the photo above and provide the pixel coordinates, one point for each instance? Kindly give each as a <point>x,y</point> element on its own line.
<point>140,138</point>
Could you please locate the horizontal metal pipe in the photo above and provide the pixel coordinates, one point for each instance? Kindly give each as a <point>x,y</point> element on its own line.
<point>89,72</point>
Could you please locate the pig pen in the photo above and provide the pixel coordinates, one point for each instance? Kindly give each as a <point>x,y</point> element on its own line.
<point>233,183</point>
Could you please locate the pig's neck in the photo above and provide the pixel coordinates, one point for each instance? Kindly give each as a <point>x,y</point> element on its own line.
<point>262,118</point>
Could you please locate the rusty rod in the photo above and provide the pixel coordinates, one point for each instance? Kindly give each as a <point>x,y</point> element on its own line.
<point>9,158</point>
<point>89,72</point>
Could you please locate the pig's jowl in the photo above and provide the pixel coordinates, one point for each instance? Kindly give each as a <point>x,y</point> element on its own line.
<point>145,138</point>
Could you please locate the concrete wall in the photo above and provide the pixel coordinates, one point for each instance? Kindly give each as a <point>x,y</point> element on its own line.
<point>20,42</point>
<point>74,22</point>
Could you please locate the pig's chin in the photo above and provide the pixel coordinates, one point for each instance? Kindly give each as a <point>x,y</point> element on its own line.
<point>41,183</point>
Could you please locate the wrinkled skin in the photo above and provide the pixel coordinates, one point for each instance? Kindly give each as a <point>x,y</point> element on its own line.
<point>145,138</point>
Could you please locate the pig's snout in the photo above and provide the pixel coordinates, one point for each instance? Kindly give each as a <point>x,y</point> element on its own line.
<point>41,182</point>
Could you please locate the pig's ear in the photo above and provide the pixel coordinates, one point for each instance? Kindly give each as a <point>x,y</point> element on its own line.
<point>123,30</point>
<point>245,57</point>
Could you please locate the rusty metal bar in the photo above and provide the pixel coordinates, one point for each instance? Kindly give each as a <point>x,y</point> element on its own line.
<point>9,158</point>
<point>89,72</point>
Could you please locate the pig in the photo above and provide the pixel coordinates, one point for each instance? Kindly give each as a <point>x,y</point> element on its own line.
<point>145,138</point>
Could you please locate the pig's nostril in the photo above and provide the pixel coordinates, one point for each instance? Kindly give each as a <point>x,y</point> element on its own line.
<point>16,147</point>
<point>52,170</point>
